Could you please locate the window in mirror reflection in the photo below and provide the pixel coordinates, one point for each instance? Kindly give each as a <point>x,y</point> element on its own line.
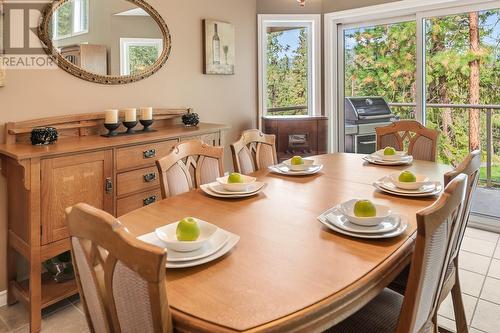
<point>71,19</point>
<point>138,54</point>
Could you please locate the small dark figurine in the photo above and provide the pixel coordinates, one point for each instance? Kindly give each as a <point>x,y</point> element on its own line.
<point>190,119</point>
<point>43,135</point>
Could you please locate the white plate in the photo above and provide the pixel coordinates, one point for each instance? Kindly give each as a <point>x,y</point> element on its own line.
<point>347,208</point>
<point>218,188</point>
<point>236,187</point>
<point>393,158</point>
<point>282,169</point>
<point>374,159</point>
<point>206,188</point>
<point>426,191</point>
<point>231,242</point>
<point>301,167</point>
<point>338,219</point>
<point>168,235</point>
<point>213,245</point>
<point>403,225</point>
<point>416,185</point>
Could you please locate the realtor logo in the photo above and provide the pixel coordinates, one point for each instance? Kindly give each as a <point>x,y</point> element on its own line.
<point>20,47</point>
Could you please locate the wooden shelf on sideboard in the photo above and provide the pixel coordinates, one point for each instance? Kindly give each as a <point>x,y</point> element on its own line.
<point>83,166</point>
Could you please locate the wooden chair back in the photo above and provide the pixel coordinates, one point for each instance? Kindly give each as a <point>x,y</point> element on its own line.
<point>470,167</point>
<point>189,165</point>
<point>438,228</point>
<point>422,141</point>
<point>121,279</point>
<point>254,151</point>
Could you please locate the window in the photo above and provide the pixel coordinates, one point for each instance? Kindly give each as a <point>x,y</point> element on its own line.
<point>289,65</point>
<point>138,54</point>
<point>71,19</point>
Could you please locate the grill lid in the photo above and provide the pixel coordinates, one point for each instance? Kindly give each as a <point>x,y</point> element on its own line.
<point>360,109</point>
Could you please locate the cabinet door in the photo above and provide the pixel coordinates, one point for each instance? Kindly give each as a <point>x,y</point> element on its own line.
<point>69,180</point>
<point>212,139</point>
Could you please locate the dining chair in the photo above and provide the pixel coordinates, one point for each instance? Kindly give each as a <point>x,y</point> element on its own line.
<point>121,280</point>
<point>189,165</point>
<point>470,166</point>
<point>254,151</point>
<point>422,141</point>
<point>438,227</point>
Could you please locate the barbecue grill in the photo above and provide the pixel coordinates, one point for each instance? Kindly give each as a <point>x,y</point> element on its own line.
<point>362,116</point>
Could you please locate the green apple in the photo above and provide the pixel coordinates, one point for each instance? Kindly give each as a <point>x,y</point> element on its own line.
<point>187,230</point>
<point>365,208</point>
<point>407,177</point>
<point>297,160</point>
<point>234,178</point>
<point>389,151</point>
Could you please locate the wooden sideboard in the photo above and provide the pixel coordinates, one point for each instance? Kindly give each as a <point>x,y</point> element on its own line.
<point>115,174</point>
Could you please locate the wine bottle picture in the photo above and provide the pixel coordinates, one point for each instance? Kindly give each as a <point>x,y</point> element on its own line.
<point>216,46</point>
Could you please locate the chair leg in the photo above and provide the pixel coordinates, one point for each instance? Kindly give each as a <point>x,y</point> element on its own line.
<point>458,305</point>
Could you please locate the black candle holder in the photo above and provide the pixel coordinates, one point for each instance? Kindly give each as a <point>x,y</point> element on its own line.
<point>130,126</point>
<point>147,124</point>
<point>111,129</point>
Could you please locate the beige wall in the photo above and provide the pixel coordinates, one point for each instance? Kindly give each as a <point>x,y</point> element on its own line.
<point>232,100</point>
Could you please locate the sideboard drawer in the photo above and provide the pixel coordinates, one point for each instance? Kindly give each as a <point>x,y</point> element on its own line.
<point>136,201</point>
<point>142,155</point>
<point>212,139</point>
<point>137,180</point>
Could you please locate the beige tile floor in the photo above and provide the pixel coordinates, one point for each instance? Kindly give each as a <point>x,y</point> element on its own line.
<point>479,271</point>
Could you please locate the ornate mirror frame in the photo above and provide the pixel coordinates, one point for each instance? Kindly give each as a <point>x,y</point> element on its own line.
<point>44,35</point>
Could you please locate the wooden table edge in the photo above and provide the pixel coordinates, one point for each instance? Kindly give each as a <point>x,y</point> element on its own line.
<point>324,314</point>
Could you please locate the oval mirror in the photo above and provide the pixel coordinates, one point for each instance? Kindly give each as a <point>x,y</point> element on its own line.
<point>105,41</point>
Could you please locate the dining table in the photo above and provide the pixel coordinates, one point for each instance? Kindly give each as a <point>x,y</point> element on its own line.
<point>288,272</point>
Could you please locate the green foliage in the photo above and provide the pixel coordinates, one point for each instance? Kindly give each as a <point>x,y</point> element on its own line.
<point>287,73</point>
<point>142,57</point>
<point>381,61</point>
<point>65,19</point>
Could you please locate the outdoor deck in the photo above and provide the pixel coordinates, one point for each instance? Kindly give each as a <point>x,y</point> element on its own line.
<point>487,203</point>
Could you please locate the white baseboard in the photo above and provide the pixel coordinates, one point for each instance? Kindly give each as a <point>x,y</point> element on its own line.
<point>3,298</point>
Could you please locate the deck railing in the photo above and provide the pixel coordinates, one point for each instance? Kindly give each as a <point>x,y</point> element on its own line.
<point>488,108</point>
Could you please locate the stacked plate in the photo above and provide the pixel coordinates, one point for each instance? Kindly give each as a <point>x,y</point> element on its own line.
<point>389,185</point>
<point>341,220</point>
<point>287,168</point>
<point>378,157</point>
<point>207,249</point>
<point>217,190</point>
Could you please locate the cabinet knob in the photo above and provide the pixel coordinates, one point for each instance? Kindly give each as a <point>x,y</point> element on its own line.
<point>151,153</point>
<point>149,177</point>
<point>150,200</point>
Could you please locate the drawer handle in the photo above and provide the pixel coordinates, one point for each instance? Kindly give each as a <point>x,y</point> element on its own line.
<point>151,153</point>
<point>368,143</point>
<point>109,185</point>
<point>149,177</point>
<point>150,200</point>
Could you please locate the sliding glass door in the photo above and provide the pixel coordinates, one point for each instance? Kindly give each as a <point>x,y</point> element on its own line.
<point>379,70</point>
<point>462,86</point>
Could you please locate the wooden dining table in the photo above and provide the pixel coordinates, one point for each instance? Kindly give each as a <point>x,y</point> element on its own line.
<point>288,273</point>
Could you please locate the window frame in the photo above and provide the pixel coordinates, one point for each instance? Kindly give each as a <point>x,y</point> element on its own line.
<point>126,43</point>
<point>313,22</point>
<point>83,5</point>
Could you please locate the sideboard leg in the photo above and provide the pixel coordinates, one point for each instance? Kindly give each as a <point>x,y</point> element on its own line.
<point>35,294</point>
<point>11,275</point>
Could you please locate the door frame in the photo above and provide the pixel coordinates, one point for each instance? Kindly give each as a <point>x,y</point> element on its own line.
<point>335,23</point>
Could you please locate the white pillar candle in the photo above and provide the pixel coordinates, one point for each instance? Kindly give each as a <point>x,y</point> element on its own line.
<point>111,116</point>
<point>130,115</point>
<point>147,113</point>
